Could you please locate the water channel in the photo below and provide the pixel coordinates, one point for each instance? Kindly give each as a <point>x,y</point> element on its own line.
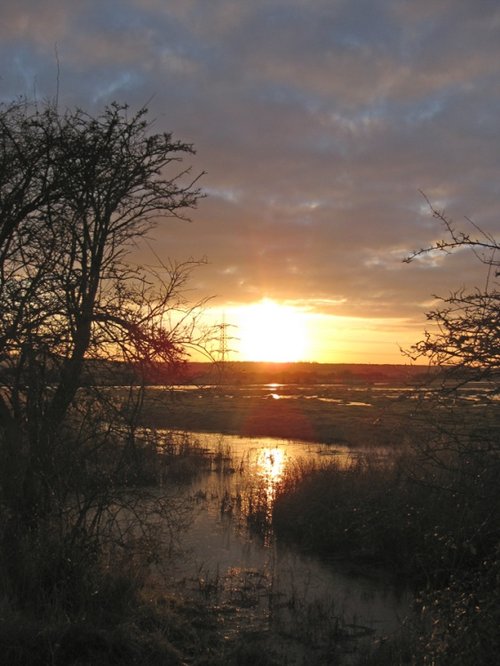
<point>254,583</point>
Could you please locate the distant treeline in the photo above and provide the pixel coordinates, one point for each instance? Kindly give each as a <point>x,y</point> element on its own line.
<point>107,372</point>
<point>297,373</point>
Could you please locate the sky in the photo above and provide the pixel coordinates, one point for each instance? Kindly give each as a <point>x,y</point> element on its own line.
<point>318,124</point>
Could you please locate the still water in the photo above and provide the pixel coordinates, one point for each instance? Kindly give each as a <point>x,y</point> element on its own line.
<point>254,582</point>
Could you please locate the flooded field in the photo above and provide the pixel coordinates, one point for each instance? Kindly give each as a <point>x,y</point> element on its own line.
<point>354,415</point>
<point>331,414</point>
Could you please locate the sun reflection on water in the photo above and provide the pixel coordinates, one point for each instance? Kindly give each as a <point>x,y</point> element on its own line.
<point>270,469</point>
<point>271,464</point>
<point>273,386</point>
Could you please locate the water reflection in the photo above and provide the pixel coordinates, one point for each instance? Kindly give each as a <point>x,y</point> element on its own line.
<point>255,583</point>
<point>271,465</point>
<point>273,387</point>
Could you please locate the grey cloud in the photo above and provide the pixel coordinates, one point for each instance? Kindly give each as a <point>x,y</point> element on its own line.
<point>317,123</point>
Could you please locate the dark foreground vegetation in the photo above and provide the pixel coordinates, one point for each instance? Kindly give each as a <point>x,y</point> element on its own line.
<point>437,535</point>
<point>81,516</point>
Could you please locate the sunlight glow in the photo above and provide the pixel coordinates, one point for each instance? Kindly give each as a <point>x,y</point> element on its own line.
<point>271,465</point>
<point>269,331</point>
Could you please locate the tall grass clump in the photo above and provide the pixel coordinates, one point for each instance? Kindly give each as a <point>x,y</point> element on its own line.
<point>432,527</point>
<point>359,511</point>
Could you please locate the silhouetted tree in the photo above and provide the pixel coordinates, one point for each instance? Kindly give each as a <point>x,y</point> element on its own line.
<point>457,456</point>
<point>466,335</point>
<point>464,344</point>
<point>77,192</point>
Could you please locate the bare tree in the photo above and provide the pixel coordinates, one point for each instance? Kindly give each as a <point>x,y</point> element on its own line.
<point>461,422</point>
<point>77,193</point>
<point>457,454</point>
<point>466,334</point>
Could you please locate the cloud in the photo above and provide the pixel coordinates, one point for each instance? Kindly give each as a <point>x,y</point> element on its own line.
<point>317,123</point>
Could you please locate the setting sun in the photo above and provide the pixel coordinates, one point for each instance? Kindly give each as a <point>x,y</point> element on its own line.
<point>268,331</point>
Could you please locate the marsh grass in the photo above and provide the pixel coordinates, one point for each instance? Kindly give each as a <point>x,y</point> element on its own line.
<point>102,623</point>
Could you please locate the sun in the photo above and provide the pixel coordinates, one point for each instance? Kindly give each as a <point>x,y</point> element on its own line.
<point>269,331</point>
